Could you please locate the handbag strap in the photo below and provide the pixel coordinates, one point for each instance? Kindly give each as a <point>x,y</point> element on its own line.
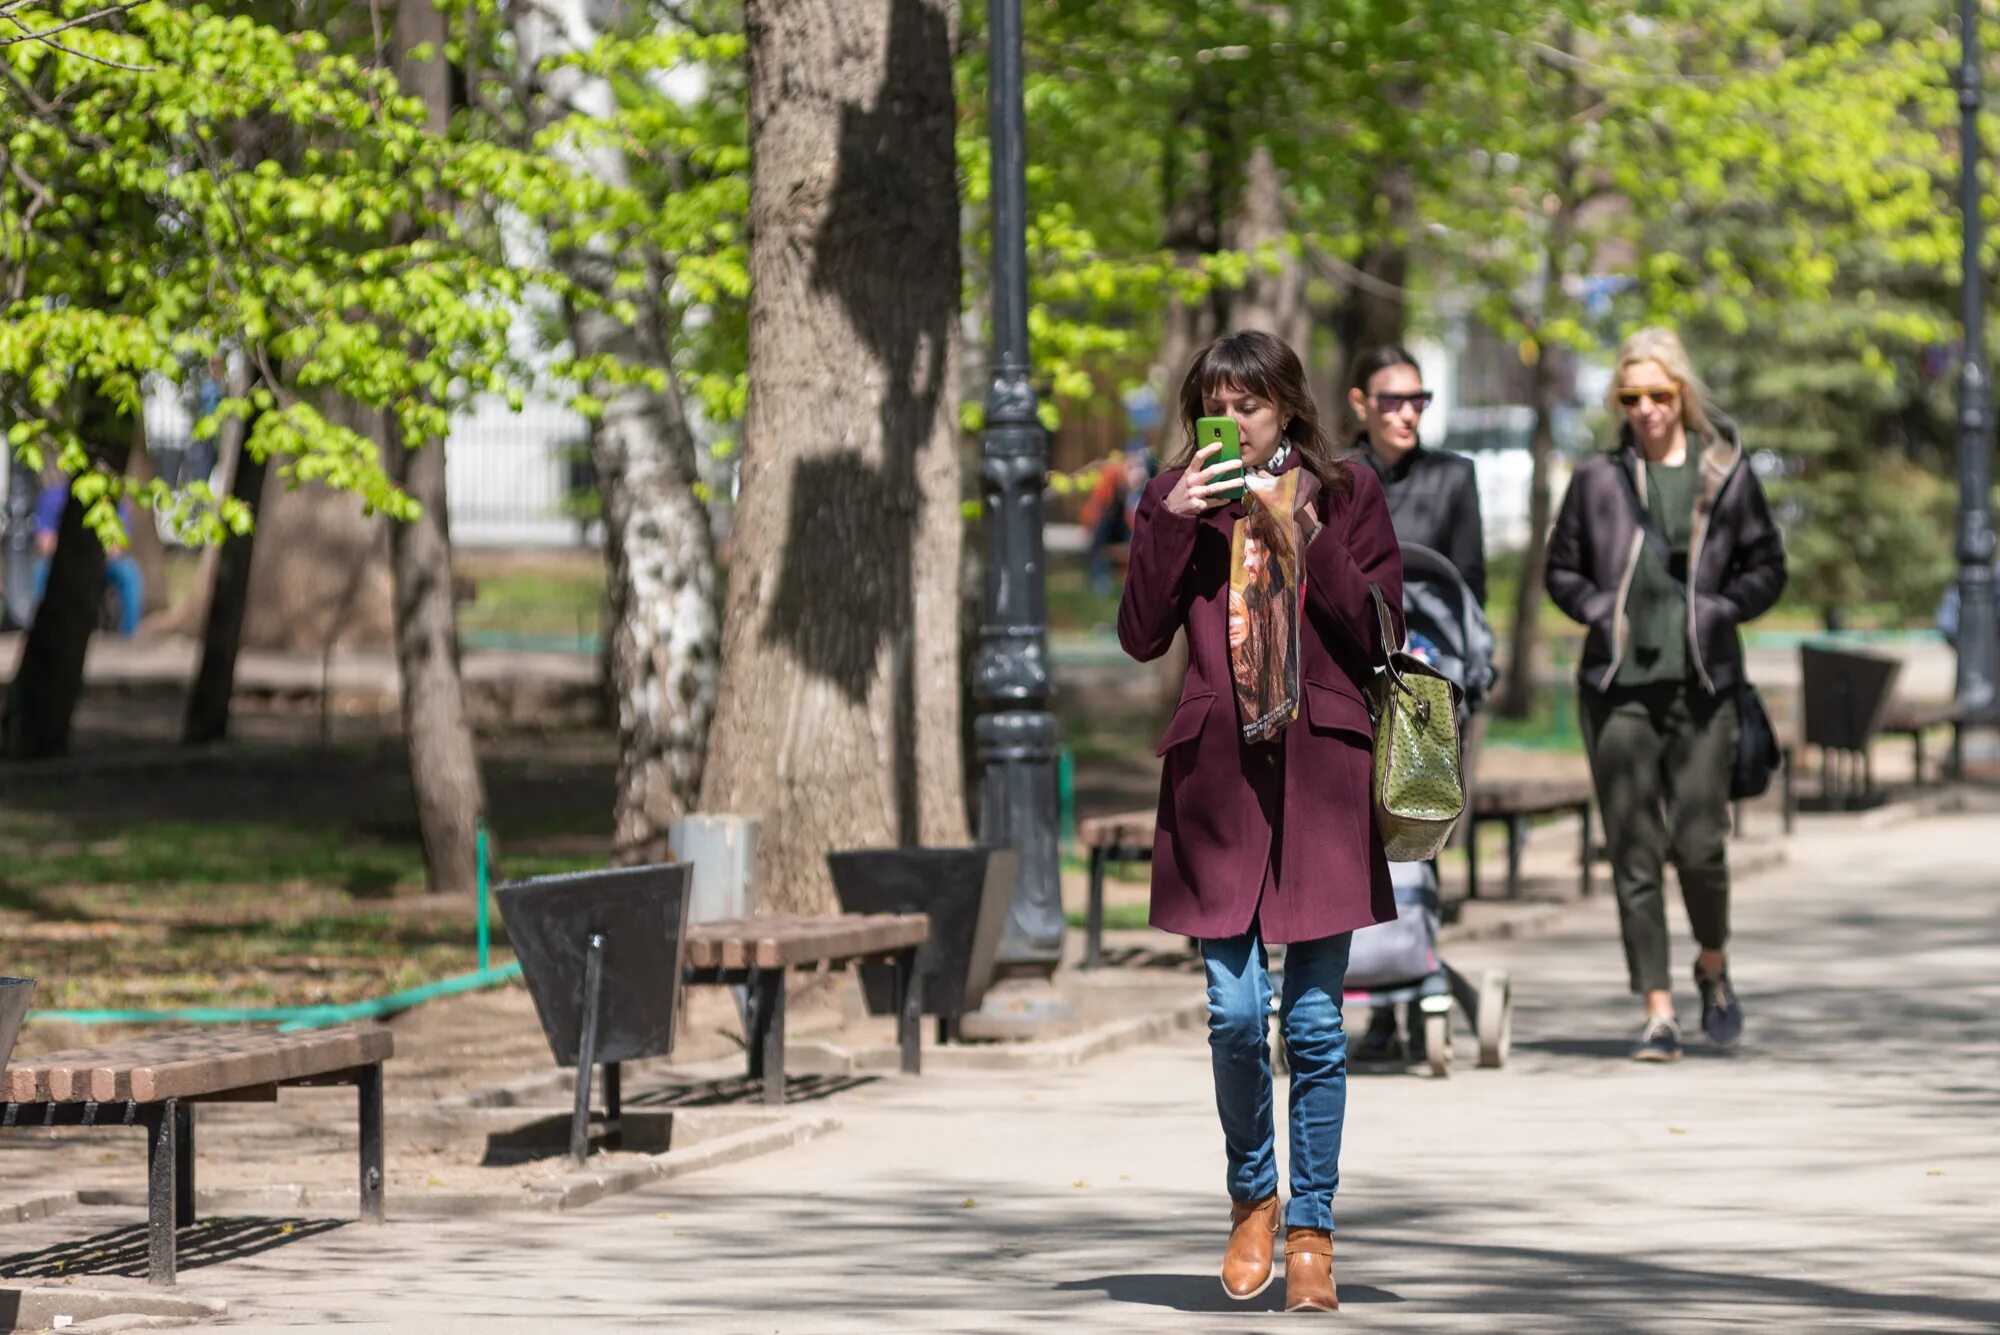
<point>1389,653</point>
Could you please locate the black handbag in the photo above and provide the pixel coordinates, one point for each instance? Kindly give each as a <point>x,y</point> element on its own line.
<point>1757,756</point>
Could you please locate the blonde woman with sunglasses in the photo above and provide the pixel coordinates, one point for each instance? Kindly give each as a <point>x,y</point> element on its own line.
<point>1663,548</point>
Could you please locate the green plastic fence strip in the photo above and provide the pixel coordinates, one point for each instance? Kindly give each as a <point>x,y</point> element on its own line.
<point>292,1018</point>
<point>485,937</point>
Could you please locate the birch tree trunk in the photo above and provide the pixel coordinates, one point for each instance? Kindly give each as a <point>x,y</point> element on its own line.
<point>664,628</point>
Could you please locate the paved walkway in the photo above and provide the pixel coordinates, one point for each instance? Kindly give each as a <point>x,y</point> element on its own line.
<point>1837,1174</point>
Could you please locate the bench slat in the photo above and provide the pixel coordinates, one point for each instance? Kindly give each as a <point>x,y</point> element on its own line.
<point>782,941</point>
<point>192,1062</point>
<point>329,1051</point>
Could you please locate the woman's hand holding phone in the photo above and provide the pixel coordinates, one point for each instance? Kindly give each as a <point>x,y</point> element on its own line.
<point>1202,486</point>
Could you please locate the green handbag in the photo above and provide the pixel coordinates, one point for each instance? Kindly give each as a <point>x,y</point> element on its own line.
<point>1419,789</point>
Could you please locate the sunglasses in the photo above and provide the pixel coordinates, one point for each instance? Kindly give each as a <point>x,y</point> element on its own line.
<point>1662,395</point>
<point>1391,404</point>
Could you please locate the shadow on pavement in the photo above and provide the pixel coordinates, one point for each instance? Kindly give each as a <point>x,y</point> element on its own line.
<point>122,1252</point>
<point>1203,1293</point>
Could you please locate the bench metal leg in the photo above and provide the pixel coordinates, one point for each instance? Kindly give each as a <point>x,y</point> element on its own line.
<point>1093,932</point>
<point>1517,835</point>
<point>1789,790</point>
<point>368,1098</point>
<point>1956,760</point>
<point>586,1054</point>
<point>614,1091</point>
<point>910,1011</point>
<point>1917,750</point>
<point>162,1150</point>
<point>767,1033</point>
<point>184,1165</point>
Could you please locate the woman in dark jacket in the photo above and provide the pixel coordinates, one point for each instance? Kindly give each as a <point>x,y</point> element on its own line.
<point>1266,833</point>
<point>1663,548</point>
<point>1433,495</point>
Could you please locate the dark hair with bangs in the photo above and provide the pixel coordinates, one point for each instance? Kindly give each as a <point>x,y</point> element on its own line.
<point>1262,364</point>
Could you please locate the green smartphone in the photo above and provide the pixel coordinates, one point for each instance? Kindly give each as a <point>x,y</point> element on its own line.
<point>1222,431</point>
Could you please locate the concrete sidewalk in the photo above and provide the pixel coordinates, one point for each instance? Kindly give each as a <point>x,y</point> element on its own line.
<point>1839,1173</point>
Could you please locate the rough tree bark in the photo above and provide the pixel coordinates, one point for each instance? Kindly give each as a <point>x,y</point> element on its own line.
<point>444,765</point>
<point>664,641</point>
<point>1271,301</point>
<point>838,722</point>
<point>1376,309</point>
<point>48,683</point>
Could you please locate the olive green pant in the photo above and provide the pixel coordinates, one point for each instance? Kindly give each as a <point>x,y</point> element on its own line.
<point>1660,756</point>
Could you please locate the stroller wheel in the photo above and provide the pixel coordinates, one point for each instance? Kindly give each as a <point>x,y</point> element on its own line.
<point>1437,1039</point>
<point>1495,1021</point>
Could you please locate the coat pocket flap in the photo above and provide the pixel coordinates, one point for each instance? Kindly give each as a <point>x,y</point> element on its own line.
<point>1189,715</point>
<point>1334,709</point>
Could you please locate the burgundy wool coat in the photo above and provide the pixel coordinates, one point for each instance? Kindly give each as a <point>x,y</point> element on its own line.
<point>1218,795</point>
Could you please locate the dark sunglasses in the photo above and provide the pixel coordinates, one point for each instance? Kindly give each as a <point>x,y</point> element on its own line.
<point>1664,396</point>
<point>1391,404</point>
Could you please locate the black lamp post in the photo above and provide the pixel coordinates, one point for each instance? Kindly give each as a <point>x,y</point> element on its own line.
<point>1015,735</point>
<point>1978,648</point>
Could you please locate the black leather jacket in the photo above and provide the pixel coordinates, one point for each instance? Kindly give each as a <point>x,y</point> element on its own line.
<point>1736,559</point>
<point>1434,502</point>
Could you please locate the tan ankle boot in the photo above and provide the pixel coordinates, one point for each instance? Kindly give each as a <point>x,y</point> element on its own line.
<point>1247,1266</point>
<point>1309,1271</point>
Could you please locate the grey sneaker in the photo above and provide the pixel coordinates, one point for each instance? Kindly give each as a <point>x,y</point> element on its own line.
<point>1659,1041</point>
<point>1721,1012</point>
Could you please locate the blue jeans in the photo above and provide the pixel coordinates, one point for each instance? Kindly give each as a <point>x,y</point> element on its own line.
<point>1239,1023</point>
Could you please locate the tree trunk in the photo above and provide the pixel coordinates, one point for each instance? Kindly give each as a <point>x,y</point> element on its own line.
<point>1522,684</point>
<point>1273,302</point>
<point>143,533</point>
<point>664,633</point>
<point>444,766</point>
<point>1376,310</point>
<point>838,722</point>
<point>207,716</point>
<point>320,578</point>
<point>48,683</point>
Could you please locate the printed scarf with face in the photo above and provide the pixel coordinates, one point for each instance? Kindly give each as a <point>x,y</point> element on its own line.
<point>1266,601</point>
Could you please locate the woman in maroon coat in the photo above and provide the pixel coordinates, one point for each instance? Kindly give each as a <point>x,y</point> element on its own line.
<point>1266,833</point>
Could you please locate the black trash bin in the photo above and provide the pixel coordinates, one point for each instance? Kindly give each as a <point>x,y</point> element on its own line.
<point>1846,694</point>
<point>965,892</point>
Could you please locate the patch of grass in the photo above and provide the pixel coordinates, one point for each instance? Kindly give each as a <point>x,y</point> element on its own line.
<point>1073,605</point>
<point>289,962</point>
<point>103,865</point>
<point>1130,873</point>
<point>562,598</point>
<point>1117,917</point>
<point>186,859</point>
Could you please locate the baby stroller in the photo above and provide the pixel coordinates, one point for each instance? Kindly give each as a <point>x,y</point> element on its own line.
<point>1396,964</point>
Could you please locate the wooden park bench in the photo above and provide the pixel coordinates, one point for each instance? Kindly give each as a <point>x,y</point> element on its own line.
<point>1127,836</point>
<point>1514,802</point>
<point>755,953</point>
<point>155,1082</point>
<point>1913,718</point>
